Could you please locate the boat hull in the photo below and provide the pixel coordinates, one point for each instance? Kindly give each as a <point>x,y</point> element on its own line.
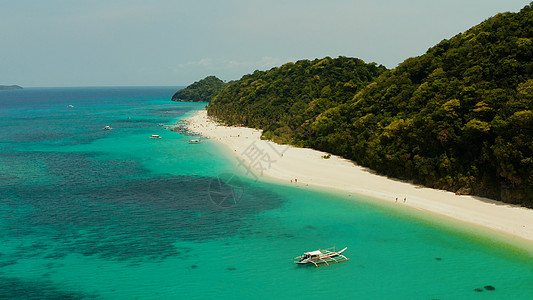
<point>321,258</point>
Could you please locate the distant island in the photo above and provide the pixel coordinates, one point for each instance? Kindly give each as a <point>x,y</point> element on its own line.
<point>458,118</point>
<point>10,87</point>
<point>200,91</point>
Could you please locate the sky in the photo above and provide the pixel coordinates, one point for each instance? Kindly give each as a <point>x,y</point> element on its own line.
<point>64,43</point>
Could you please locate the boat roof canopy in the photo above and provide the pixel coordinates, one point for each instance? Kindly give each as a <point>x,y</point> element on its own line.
<point>317,252</point>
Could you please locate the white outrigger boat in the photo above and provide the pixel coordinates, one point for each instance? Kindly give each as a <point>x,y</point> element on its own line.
<point>322,257</point>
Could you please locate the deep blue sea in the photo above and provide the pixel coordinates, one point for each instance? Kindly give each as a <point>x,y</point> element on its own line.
<point>87,213</point>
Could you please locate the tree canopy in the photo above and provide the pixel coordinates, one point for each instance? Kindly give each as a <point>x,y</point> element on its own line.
<point>200,91</point>
<point>282,99</point>
<point>459,117</point>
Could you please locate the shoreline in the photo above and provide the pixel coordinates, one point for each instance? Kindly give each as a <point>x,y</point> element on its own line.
<point>305,166</point>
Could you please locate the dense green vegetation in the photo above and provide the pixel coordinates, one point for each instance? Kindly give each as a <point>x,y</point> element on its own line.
<point>459,117</point>
<point>282,99</point>
<point>200,91</point>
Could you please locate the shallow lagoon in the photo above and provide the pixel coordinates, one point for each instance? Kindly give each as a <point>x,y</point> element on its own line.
<point>88,213</point>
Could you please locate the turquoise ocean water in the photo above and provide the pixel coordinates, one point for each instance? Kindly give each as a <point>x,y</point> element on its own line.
<point>113,214</point>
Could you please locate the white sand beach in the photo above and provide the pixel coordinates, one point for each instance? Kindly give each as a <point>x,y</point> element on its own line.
<point>308,167</point>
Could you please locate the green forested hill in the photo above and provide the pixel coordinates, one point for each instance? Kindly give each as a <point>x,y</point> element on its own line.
<point>200,91</point>
<point>459,117</point>
<point>282,99</point>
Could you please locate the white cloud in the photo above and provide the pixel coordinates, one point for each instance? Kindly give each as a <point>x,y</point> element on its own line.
<point>205,62</point>
<point>266,62</point>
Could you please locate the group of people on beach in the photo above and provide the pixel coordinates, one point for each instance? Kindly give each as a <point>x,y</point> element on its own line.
<point>404,199</point>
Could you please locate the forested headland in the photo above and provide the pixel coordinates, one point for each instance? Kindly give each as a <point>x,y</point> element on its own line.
<point>282,99</point>
<point>200,91</point>
<point>459,117</point>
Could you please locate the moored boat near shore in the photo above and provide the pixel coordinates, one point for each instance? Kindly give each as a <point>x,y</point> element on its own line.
<point>322,257</point>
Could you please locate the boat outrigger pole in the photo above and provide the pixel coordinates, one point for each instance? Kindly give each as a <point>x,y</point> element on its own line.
<point>322,257</point>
